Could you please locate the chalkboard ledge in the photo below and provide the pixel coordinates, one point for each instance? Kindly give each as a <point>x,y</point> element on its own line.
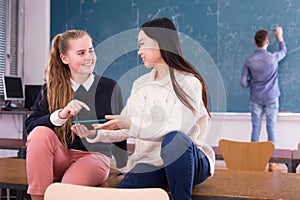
<point>282,116</point>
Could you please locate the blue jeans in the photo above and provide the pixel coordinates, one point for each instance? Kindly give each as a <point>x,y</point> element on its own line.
<point>184,166</point>
<point>270,109</point>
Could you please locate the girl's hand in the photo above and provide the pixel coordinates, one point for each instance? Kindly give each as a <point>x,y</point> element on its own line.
<point>72,109</point>
<point>115,122</point>
<point>82,131</point>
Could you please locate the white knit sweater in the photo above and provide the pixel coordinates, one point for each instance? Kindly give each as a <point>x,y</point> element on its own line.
<point>155,110</point>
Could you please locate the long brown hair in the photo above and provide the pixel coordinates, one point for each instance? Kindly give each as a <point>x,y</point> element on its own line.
<point>164,32</point>
<point>58,75</point>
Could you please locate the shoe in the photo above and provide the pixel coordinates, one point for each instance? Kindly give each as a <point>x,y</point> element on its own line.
<point>274,167</point>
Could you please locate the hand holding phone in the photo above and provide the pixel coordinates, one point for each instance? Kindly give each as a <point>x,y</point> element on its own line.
<point>88,123</point>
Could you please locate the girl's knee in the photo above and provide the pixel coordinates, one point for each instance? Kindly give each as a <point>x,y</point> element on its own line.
<point>175,145</point>
<point>175,137</point>
<point>41,136</point>
<point>94,173</point>
<point>41,132</point>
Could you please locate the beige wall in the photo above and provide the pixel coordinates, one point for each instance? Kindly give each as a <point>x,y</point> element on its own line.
<point>237,126</point>
<point>37,40</point>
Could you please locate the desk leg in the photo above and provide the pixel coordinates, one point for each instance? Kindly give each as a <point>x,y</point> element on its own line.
<point>295,164</point>
<point>22,152</point>
<point>19,195</point>
<point>24,133</point>
<point>289,165</point>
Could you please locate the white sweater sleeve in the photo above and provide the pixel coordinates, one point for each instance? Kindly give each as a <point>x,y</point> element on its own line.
<point>109,136</point>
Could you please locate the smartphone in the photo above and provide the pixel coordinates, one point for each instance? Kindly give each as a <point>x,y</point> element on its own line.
<point>88,123</point>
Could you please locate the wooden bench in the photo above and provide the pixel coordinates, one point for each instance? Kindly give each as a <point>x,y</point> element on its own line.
<point>14,144</point>
<point>284,156</point>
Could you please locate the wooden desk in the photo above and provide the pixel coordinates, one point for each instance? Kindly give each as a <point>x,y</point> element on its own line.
<point>249,185</point>
<point>295,160</point>
<point>224,184</point>
<point>284,156</point>
<point>14,144</point>
<point>13,175</point>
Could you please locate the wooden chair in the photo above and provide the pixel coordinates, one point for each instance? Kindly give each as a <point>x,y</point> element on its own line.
<point>246,155</point>
<point>75,192</point>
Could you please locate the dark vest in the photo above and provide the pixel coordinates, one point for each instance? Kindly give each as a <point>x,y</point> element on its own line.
<point>88,97</point>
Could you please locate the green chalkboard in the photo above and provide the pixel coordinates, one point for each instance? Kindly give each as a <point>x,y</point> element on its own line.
<point>217,36</point>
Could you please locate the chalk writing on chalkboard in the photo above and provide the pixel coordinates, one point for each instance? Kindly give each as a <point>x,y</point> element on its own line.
<point>224,28</point>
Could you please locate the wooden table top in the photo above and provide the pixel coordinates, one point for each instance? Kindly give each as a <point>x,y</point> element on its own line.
<point>224,184</point>
<point>13,173</point>
<point>250,185</point>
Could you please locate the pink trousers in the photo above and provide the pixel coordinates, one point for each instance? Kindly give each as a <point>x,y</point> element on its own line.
<point>49,160</point>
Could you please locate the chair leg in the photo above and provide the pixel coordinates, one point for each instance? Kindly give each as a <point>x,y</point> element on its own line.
<point>7,194</point>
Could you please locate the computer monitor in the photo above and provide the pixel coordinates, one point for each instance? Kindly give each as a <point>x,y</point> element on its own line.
<point>13,88</point>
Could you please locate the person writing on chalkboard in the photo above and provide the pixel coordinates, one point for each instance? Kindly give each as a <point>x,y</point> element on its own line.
<point>72,92</point>
<point>167,115</point>
<point>260,73</point>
